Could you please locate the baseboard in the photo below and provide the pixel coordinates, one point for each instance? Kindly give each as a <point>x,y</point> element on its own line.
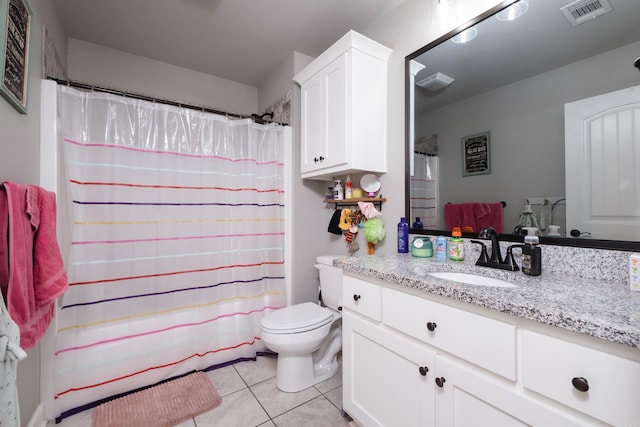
<point>37,418</point>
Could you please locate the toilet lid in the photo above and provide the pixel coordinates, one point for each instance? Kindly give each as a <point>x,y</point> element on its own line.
<point>297,318</point>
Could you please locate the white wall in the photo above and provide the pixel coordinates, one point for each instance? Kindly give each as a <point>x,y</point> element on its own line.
<point>407,28</point>
<point>20,162</point>
<point>101,66</point>
<point>412,25</point>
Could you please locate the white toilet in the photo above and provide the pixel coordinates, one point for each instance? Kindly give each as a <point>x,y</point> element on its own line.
<point>307,336</point>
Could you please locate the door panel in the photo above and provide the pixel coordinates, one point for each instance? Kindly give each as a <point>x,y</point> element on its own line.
<point>602,158</point>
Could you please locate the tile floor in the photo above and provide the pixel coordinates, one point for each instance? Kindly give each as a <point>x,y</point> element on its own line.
<point>250,398</point>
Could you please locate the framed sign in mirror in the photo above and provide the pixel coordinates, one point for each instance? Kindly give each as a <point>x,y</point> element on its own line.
<point>476,154</point>
<point>15,29</point>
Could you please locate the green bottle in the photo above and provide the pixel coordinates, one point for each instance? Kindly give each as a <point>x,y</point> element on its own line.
<point>456,245</point>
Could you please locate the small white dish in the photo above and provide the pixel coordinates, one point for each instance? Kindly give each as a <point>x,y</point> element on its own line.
<point>370,184</point>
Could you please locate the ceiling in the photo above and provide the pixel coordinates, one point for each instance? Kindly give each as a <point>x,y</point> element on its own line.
<point>239,40</point>
<point>505,52</point>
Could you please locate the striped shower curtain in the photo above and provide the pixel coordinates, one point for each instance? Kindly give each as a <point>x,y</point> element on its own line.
<point>177,243</point>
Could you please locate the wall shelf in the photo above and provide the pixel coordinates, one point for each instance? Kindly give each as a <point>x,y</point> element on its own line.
<point>378,201</point>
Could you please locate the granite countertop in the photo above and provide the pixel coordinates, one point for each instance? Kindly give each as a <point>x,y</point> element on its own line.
<point>602,309</point>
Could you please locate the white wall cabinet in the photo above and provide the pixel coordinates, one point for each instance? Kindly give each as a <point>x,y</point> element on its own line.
<point>344,109</point>
<point>411,361</point>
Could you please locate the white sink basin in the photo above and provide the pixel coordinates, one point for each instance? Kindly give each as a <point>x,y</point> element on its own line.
<point>473,279</point>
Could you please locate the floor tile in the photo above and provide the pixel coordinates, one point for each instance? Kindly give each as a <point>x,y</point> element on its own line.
<point>319,412</point>
<point>335,397</point>
<point>253,372</point>
<point>276,402</point>
<point>237,409</point>
<point>226,380</point>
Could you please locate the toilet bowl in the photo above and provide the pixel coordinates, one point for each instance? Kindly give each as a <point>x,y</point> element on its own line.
<point>307,336</point>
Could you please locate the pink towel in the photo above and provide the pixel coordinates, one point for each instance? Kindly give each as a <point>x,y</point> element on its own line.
<point>474,215</point>
<point>32,274</point>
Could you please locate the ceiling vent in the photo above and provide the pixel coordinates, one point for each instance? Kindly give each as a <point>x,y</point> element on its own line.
<point>582,11</point>
<point>435,82</point>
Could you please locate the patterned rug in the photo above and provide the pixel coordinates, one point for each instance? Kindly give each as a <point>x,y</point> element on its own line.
<point>163,405</point>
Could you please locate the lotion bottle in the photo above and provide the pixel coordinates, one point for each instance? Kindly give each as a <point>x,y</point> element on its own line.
<point>338,191</point>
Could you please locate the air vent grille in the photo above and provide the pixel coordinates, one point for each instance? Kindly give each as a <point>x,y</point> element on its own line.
<point>435,82</point>
<point>582,11</point>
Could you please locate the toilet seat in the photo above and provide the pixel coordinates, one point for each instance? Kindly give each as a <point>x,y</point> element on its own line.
<point>297,318</point>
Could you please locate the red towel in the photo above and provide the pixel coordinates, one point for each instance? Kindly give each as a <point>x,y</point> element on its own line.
<point>475,215</point>
<point>32,273</point>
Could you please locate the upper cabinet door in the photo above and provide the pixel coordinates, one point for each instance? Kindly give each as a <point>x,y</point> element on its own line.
<point>324,128</point>
<point>314,150</point>
<point>344,109</point>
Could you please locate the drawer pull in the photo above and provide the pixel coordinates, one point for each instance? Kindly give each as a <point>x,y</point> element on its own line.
<point>423,370</point>
<point>440,381</point>
<point>431,326</point>
<point>356,297</point>
<point>580,384</point>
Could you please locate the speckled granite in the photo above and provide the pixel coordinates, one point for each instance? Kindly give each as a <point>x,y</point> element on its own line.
<point>598,307</point>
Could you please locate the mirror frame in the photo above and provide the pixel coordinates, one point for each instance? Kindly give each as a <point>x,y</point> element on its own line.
<point>620,245</point>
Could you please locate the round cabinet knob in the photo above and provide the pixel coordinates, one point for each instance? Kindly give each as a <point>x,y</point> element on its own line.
<point>356,297</point>
<point>580,384</point>
<point>440,381</point>
<point>431,326</point>
<point>315,160</point>
<point>423,370</point>
<point>321,158</point>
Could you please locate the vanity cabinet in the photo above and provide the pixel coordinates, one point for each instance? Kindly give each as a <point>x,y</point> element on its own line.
<point>410,359</point>
<point>344,109</point>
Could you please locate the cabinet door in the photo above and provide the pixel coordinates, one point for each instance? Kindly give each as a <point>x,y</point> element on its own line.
<point>336,91</point>
<point>387,379</point>
<point>467,398</point>
<point>313,151</point>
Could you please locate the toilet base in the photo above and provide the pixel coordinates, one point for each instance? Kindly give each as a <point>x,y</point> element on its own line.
<point>297,372</point>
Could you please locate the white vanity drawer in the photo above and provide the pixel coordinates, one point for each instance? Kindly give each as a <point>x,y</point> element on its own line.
<point>550,365</point>
<point>480,340</point>
<point>362,297</point>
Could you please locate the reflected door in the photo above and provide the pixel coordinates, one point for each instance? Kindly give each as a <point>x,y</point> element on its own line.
<point>602,158</point>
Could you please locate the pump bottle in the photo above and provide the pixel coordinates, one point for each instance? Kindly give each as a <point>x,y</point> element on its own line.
<point>531,254</point>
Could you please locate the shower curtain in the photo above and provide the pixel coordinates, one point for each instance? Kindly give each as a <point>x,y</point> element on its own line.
<point>424,190</point>
<point>177,243</point>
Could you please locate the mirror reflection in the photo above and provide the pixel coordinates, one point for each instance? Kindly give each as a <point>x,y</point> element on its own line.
<point>489,121</point>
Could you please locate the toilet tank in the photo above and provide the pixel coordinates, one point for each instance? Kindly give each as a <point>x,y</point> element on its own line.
<point>330,281</point>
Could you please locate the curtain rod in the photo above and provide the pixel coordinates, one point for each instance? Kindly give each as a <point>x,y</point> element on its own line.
<point>148,98</point>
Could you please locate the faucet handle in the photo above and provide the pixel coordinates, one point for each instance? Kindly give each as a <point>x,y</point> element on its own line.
<point>484,256</point>
<point>508,259</point>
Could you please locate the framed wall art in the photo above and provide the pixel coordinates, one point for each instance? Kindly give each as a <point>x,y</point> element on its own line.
<point>15,30</point>
<point>476,154</point>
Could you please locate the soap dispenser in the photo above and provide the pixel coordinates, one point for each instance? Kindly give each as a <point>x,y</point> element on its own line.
<point>531,253</point>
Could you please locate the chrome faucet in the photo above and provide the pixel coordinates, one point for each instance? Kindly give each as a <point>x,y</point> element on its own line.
<point>495,260</point>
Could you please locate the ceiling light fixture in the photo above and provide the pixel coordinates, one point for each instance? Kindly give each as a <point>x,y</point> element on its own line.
<point>514,11</point>
<point>445,14</point>
<point>465,36</point>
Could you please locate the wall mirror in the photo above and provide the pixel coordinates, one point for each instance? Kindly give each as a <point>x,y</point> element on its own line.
<point>502,84</point>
